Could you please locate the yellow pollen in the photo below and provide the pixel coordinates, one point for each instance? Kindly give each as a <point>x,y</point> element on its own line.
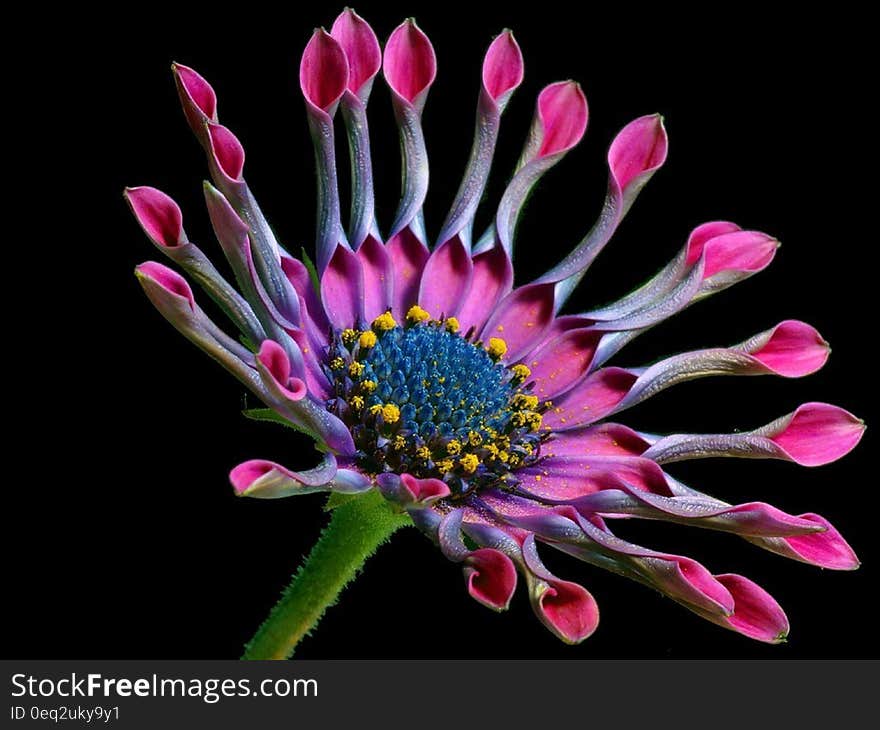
<point>469,462</point>
<point>452,325</point>
<point>520,372</point>
<point>453,448</point>
<point>356,402</point>
<point>384,322</point>
<point>445,465</point>
<point>416,314</point>
<point>367,339</point>
<point>515,460</point>
<point>518,420</point>
<point>497,347</point>
<point>526,402</point>
<point>399,442</point>
<point>356,369</point>
<point>503,456</point>
<point>375,410</point>
<point>369,386</point>
<point>538,477</point>
<point>391,413</point>
<point>423,452</point>
<point>475,438</point>
<point>349,336</point>
<point>337,363</point>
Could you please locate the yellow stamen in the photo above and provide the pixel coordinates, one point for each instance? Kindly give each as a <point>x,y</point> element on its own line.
<point>423,452</point>
<point>520,372</point>
<point>390,413</point>
<point>497,348</point>
<point>399,442</point>
<point>416,314</point>
<point>356,369</point>
<point>337,363</point>
<point>356,402</point>
<point>475,438</point>
<point>349,336</point>
<point>368,386</point>
<point>367,340</point>
<point>452,325</point>
<point>469,462</point>
<point>445,465</point>
<point>453,448</point>
<point>384,322</point>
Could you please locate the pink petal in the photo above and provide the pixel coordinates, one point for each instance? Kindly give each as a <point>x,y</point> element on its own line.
<point>793,349</point>
<point>569,611</point>
<point>739,251</point>
<point>606,439</point>
<point>361,48</point>
<point>502,67</point>
<point>591,399</point>
<point>422,490</point>
<point>342,287</point>
<point>756,613</point>
<point>323,71</point>
<point>378,277</point>
<point>491,280</point>
<point>521,318</point>
<point>268,480</point>
<point>826,549</point>
<point>446,278</point>
<point>704,233</point>
<point>817,433</point>
<point>227,151</point>
<point>275,360</point>
<point>168,279</point>
<point>197,98</point>
<point>158,215</point>
<point>639,148</point>
<point>491,578</point>
<point>409,64</point>
<point>562,362</point>
<point>408,255</point>
<point>562,111</point>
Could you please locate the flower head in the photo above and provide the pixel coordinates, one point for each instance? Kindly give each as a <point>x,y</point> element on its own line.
<point>471,405</point>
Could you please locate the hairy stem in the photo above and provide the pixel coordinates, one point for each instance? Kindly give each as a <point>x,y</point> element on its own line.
<point>357,528</point>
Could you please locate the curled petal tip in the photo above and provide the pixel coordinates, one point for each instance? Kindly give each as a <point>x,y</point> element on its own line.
<point>563,114</point>
<point>568,610</point>
<point>424,490</point>
<point>791,349</point>
<point>157,214</point>
<point>410,65</point>
<point>738,251</point>
<point>825,549</point>
<point>323,71</point>
<point>491,578</point>
<point>817,434</point>
<point>638,149</point>
<point>196,94</point>
<point>502,67</point>
<point>158,280</point>
<point>757,614</point>
<point>361,48</point>
<point>277,364</point>
<point>227,151</point>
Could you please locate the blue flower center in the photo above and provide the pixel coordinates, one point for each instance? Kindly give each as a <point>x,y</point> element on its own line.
<point>421,399</point>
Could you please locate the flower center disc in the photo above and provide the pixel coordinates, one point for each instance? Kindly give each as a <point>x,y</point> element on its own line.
<point>422,399</point>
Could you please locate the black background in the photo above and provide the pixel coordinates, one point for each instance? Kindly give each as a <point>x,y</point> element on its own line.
<point>125,538</point>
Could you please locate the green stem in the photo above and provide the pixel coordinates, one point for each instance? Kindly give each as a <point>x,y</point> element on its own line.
<point>357,528</point>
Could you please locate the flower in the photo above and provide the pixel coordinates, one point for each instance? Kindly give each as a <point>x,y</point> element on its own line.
<point>472,406</point>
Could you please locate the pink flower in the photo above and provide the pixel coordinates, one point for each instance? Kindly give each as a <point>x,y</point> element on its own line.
<point>474,407</point>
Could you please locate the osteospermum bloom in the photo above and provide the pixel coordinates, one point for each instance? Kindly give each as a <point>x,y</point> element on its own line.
<point>440,394</point>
